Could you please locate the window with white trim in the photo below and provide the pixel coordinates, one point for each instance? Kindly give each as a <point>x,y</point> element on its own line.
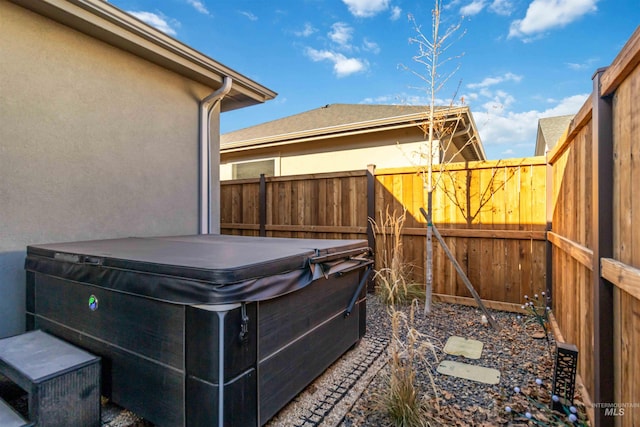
<point>245,170</point>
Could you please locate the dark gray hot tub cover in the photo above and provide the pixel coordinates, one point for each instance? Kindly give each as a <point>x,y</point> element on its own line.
<point>201,269</point>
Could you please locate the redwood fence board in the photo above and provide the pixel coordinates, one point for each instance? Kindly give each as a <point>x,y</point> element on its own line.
<point>490,213</point>
<point>521,217</point>
<point>597,296</point>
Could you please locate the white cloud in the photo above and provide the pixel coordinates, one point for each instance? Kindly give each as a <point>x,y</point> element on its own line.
<point>250,16</point>
<point>452,4</point>
<point>576,66</point>
<point>341,34</point>
<point>371,46</point>
<point>589,63</point>
<point>473,8</point>
<point>199,6</point>
<point>157,21</point>
<point>306,31</point>
<point>342,65</point>
<point>499,126</point>
<point>402,99</point>
<point>569,105</point>
<point>491,81</point>
<point>503,131</point>
<point>383,99</point>
<point>543,15</point>
<point>395,13</point>
<point>501,7</point>
<point>366,8</point>
<point>508,133</point>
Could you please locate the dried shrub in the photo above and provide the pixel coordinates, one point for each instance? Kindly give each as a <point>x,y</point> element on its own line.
<point>392,277</point>
<point>407,351</point>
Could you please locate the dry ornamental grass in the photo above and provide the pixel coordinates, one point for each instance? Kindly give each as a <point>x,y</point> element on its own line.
<point>451,401</point>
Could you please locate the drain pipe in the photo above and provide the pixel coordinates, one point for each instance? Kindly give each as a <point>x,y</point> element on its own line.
<point>208,148</point>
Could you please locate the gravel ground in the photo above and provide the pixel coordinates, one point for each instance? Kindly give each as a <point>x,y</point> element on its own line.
<point>520,358</point>
<point>347,394</point>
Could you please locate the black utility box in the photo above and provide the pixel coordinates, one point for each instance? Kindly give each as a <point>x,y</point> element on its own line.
<point>202,330</point>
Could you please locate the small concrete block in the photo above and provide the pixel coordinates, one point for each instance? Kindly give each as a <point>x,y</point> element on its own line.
<point>469,372</point>
<point>460,346</point>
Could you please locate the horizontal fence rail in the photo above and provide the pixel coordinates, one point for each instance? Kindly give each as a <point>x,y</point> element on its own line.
<point>567,224</point>
<point>490,213</point>
<point>596,240</point>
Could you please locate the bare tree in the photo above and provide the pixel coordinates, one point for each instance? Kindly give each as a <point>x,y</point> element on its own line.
<point>438,130</point>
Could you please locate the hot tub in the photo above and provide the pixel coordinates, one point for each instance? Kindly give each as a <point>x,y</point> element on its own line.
<point>202,330</point>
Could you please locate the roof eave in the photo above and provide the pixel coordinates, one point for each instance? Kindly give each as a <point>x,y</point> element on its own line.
<point>230,148</point>
<point>376,125</point>
<point>477,143</point>
<point>111,25</point>
<point>359,128</point>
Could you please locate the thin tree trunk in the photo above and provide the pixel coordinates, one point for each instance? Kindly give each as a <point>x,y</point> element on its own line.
<point>429,260</point>
<point>432,107</point>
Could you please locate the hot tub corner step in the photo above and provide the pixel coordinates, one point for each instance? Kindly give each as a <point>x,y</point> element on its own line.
<point>10,418</point>
<point>62,381</point>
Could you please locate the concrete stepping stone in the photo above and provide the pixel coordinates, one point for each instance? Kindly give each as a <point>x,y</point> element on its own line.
<point>460,346</point>
<point>469,372</point>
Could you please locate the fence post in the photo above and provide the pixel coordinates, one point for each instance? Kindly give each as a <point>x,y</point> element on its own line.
<point>602,214</point>
<point>549,220</point>
<point>371,215</point>
<point>262,206</point>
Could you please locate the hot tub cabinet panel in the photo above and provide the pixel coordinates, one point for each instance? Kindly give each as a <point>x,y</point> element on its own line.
<point>202,330</point>
<point>154,329</point>
<point>300,335</point>
<point>204,327</point>
<point>285,373</point>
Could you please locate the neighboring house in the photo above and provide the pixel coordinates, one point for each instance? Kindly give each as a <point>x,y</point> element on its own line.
<point>550,129</point>
<point>101,133</point>
<point>339,137</point>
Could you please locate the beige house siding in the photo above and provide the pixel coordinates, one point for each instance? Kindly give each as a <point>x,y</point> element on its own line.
<point>339,160</point>
<point>388,149</point>
<point>341,137</point>
<point>95,142</point>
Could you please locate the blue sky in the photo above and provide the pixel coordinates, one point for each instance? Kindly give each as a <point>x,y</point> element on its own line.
<point>518,60</point>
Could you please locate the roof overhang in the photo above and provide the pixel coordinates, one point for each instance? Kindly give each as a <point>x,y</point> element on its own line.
<point>111,25</point>
<point>465,135</point>
<point>541,145</point>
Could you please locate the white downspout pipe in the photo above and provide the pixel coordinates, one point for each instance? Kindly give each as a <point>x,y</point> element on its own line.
<point>209,148</point>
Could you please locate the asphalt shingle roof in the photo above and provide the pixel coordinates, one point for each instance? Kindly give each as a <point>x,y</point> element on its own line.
<point>328,116</point>
<point>550,129</point>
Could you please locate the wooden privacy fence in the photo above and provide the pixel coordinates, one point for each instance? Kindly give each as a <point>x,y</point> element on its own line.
<point>595,237</point>
<point>491,214</point>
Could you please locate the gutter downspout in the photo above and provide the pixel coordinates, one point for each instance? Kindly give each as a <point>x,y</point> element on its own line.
<point>208,149</point>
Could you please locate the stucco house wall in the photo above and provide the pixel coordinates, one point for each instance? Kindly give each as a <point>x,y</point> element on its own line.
<point>95,142</point>
<point>397,148</point>
<point>343,137</point>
